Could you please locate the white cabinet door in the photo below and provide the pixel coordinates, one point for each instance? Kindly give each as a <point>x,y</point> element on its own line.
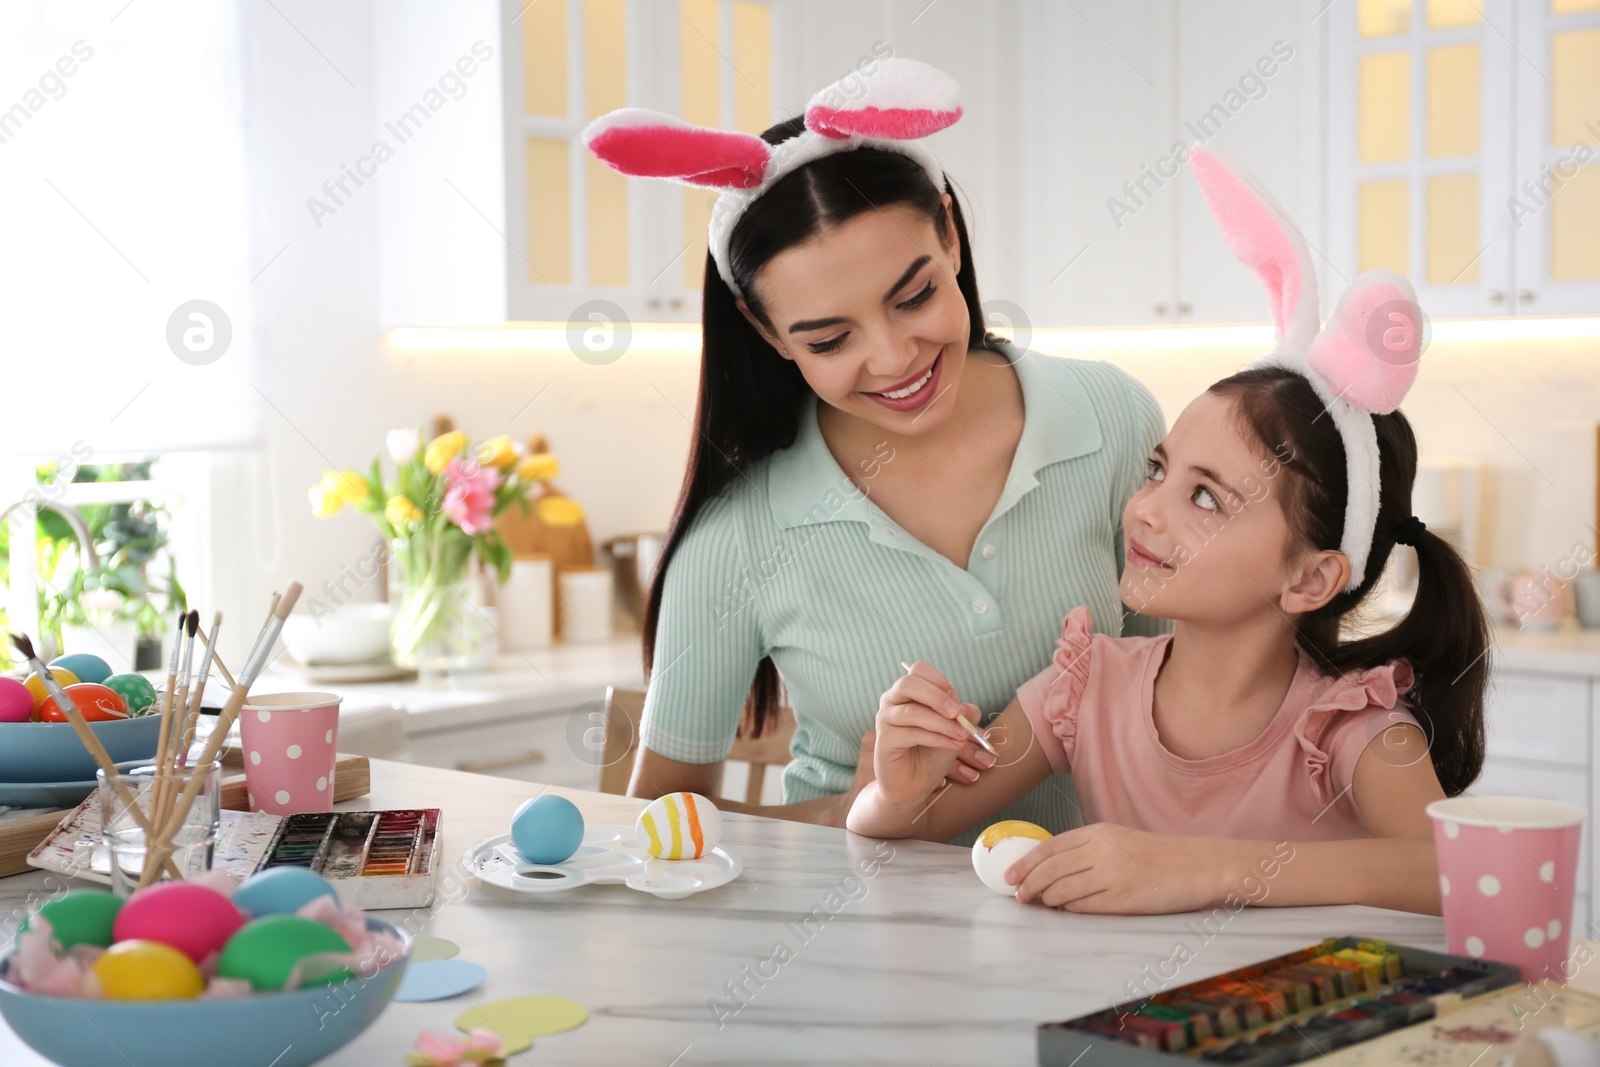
<point>1542,717</point>
<point>1102,237</point>
<point>1244,67</point>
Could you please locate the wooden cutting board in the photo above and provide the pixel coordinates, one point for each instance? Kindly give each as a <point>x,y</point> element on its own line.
<point>352,777</point>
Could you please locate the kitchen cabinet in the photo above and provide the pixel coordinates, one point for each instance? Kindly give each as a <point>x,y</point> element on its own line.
<point>1462,150</point>
<point>1541,743</point>
<point>494,210</point>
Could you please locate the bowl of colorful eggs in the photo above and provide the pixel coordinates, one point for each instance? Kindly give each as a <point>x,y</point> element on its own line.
<point>183,974</point>
<point>38,744</point>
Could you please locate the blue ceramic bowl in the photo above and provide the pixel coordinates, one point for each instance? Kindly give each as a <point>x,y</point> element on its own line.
<point>51,751</point>
<point>265,1030</point>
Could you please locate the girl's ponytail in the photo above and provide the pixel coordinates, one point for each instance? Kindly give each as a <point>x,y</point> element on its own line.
<point>1445,636</point>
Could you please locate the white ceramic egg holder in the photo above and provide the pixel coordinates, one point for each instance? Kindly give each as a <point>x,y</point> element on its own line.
<point>604,857</point>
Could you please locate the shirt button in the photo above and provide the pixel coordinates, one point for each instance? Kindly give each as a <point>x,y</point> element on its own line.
<point>979,606</point>
<point>988,551</point>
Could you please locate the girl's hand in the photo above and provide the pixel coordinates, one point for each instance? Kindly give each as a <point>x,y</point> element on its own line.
<point>918,736</point>
<point>1111,869</point>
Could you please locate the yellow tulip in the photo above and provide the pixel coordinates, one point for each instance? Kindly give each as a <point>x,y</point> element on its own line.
<point>497,452</point>
<point>443,449</point>
<point>558,511</point>
<point>352,486</point>
<point>539,467</point>
<point>325,497</point>
<point>401,512</point>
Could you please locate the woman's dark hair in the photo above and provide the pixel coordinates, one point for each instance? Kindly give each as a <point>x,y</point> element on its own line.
<point>751,397</point>
<point>1444,635</point>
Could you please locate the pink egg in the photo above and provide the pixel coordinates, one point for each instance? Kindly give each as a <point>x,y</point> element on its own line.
<point>191,918</point>
<point>16,703</point>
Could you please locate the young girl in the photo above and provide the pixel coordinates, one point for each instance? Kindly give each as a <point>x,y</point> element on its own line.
<point>1252,747</point>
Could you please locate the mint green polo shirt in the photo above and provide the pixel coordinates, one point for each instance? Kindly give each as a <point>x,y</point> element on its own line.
<point>792,560</point>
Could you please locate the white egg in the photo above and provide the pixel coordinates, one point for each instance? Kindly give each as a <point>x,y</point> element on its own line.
<point>679,826</point>
<point>1001,845</point>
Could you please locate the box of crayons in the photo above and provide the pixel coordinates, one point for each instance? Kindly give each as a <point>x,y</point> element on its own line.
<point>1289,1009</point>
<point>373,859</point>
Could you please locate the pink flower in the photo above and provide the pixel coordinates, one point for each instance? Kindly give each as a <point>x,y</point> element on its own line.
<point>469,495</point>
<point>444,1050</point>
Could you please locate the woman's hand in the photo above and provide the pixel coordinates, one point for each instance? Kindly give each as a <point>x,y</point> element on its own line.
<point>918,738</point>
<point>1113,869</point>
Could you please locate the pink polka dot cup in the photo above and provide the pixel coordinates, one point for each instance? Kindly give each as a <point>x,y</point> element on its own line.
<point>291,743</point>
<point>1506,872</point>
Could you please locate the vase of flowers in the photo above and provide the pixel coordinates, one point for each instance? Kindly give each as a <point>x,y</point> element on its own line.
<point>436,514</point>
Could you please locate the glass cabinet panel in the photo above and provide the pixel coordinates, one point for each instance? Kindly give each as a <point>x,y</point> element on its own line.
<point>544,59</point>
<point>1384,117</point>
<point>1385,223</point>
<point>549,212</point>
<point>1455,93</point>
<point>1453,248</point>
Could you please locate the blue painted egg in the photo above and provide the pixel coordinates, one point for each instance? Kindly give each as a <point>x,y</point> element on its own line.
<point>547,829</point>
<point>87,667</point>
<point>281,891</point>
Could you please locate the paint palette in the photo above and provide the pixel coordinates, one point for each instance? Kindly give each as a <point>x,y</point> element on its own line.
<point>1293,1008</point>
<point>605,856</point>
<point>373,859</point>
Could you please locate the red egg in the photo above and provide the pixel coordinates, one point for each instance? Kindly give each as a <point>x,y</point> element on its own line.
<point>97,702</point>
<point>191,918</point>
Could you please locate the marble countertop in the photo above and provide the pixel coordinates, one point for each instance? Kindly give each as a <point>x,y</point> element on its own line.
<point>917,964</point>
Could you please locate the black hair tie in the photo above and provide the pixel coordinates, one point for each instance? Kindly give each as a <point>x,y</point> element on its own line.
<point>1409,531</point>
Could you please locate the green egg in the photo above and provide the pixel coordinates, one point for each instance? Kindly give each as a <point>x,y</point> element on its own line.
<point>265,950</point>
<point>135,691</point>
<point>82,917</point>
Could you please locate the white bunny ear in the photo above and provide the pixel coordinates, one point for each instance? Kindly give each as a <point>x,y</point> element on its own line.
<point>648,144</point>
<point>898,100</point>
<point>1263,238</point>
<point>1369,348</point>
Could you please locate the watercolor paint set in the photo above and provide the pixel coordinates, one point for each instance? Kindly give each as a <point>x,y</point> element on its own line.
<point>373,859</point>
<point>1293,1008</point>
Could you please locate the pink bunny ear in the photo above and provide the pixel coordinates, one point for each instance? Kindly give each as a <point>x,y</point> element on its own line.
<point>1263,238</point>
<point>648,144</point>
<point>1369,348</point>
<point>898,100</point>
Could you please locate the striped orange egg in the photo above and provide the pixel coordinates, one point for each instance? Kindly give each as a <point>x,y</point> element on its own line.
<point>679,826</point>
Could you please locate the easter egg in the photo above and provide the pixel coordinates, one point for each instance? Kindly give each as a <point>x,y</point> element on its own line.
<point>281,891</point>
<point>88,668</point>
<point>82,917</point>
<point>134,689</point>
<point>679,826</point>
<point>547,829</point>
<point>98,703</point>
<point>147,970</point>
<point>265,950</point>
<point>191,918</point>
<point>63,678</point>
<point>16,703</point>
<point>1001,845</point>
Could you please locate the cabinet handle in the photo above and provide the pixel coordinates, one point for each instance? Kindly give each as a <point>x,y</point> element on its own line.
<point>1161,309</point>
<point>1525,296</point>
<point>1495,296</point>
<point>1184,309</point>
<point>675,303</point>
<point>653,303</point>
<point>533,755</point>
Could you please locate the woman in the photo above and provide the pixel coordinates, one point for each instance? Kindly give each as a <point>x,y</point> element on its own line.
<point>873,479</point>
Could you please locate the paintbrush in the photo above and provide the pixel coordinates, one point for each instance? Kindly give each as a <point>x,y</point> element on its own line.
<point>259,653</point>
<point>87,736</point>
<point>966,724</point>
<point>193,720</point>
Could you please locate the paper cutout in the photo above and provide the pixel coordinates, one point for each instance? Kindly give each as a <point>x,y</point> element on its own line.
<point>439,980</point>
<point>521,1019</point>
<point>424,949</point>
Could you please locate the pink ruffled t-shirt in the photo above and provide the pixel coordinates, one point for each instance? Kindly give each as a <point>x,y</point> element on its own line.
<point>1091,709</point>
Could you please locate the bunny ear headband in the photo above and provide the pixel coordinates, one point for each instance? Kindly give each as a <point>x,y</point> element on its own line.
<point>890,107</point>
<point>1361,361</point>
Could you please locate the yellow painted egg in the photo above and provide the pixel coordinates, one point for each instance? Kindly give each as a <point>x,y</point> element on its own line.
<point>679,826</point>
<point>36,687</point>
<point>147,970</point>
<point>1001,845</point>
